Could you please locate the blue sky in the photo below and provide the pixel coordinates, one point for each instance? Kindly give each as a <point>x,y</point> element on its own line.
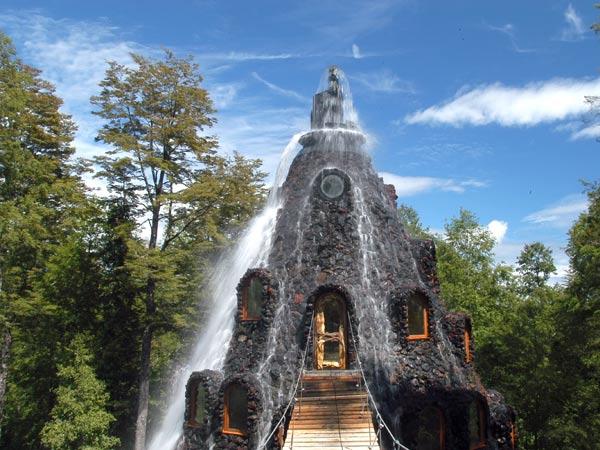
<point>471,104</point>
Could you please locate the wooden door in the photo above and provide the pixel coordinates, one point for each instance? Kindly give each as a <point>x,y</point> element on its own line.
<point>330,337</point>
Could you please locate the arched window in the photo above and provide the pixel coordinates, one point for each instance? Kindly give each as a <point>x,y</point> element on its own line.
<point>252,299</point>
<point>197,405</point>
<point>418,317</point>
<point>468,354</point>
<point>432,430</point>
<point>235,414</point>
<point>477,425</point>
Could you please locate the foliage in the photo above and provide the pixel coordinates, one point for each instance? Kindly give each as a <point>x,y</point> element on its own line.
<point>42,200</point>
<point>412,222</point>
<point>176,186</point>
<point>79,419</point>
<point>535,265</point>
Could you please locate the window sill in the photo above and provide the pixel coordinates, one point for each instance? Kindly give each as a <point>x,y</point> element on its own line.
<point>417,337</point>
<point>234,432</point>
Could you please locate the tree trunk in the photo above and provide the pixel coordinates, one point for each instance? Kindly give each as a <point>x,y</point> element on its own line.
<point>144,391</point>
<point>4,356</point>
<point>144,380</point>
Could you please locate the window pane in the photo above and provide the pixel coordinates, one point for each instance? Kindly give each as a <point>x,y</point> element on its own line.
<point>430,429</point>
<point>199,404</point>
<point>237,408</point>
<point>333,315</point>
<point>416,315</point>
<point>255,292</point>
<point>332,352</point>
<point>474,425</point>
<point>332,186</point>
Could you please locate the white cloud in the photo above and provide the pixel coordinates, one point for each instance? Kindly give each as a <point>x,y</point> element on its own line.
<point>407,186</point>
<point>356,51</point>
<point>384,81</point>
<point>575,30</point>
<point>532,104</point>
<point>561,214</point>
<point>498,229</point>
<point>280,90</point>
<point>509,31</point>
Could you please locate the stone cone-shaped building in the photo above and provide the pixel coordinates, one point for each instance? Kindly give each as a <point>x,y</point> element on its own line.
<point>346,292</point>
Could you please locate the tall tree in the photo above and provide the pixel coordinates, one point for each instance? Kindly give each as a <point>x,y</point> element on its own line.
<point>178,186</point>
<point>79,420</point>
<point>581,415</point>
<point>41,195</point>
<point>535,265</point>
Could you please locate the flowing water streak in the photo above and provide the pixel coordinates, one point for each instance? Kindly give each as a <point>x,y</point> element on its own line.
<point>211,348</point>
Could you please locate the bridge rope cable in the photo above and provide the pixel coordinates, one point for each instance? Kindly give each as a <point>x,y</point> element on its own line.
<point>293,396</point>
<point>382,423</point>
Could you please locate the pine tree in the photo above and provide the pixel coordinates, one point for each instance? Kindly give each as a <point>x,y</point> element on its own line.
<point>79,420</point>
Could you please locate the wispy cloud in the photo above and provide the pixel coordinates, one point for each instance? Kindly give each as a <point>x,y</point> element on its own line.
<point>247,56</point>
<point>509,31</point>
<point>561,214</point>
<point>259,132</point>
<point>384,81</point>
<point>279,89</point>
<point>223,94</point>
<point>529,105</point>
<point>345,22</point>
<point>574,30</point>
<point>408,186</point>
<point>588,132</point>
<point>356,51</point>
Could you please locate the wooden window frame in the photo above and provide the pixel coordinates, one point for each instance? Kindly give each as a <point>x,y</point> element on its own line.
<point>482,428</point>
<point>513,436</point>
<point>442,422</point>
<point>245,295</point>
<point>226,428</point>
<point>418,337</point>
<point>467,340</point>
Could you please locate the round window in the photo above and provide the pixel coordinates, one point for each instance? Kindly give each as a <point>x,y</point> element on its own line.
<point>332,186</point>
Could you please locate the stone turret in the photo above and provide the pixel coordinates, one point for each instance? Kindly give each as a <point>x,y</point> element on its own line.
<point>344,284</point>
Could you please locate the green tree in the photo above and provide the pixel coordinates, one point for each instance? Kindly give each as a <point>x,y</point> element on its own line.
<point>41,199</point>
<point>535,265</point>
<point>579,353</point>
<point>412,222</point>
<point>469,280</point>
<point>174,181</point>
<point>79,419</point>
